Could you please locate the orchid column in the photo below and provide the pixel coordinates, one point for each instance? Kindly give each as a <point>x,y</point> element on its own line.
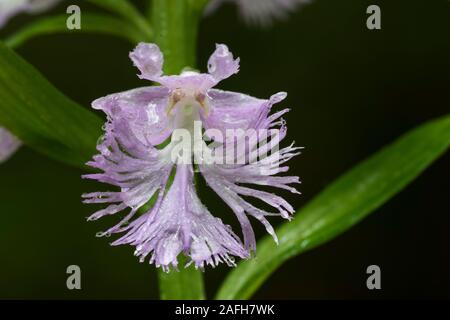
<point>176,24</point>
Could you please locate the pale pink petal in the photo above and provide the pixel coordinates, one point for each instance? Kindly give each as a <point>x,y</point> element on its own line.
<point>8,144</point>
<point>148,58</point>
<point>221,64</point>
<point>145,109</point>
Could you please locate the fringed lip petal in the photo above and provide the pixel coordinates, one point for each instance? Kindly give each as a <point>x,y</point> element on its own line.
<point>234,182</point>
<point>182,224</point>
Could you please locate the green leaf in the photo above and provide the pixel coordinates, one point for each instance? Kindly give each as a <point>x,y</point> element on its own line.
<point>186,284</point>
<point>341,205</point>
<point>128,11</point>
<point>43,117</point>
<point>90,23</point>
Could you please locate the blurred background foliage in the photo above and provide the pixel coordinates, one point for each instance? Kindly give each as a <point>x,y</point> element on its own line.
<point>351,91</point>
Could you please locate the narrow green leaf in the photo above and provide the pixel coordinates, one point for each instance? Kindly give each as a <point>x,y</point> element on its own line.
<point>43,117</point>
<point>341,205</point>
<point>90,23</point>
<point>125,9</point>
<point>187,284</point>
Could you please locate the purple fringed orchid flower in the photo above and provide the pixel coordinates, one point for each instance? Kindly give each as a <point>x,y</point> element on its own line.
<point>10,8</point>
<point>8,144</point>
<point>261,12</point>
<point>134,158</point>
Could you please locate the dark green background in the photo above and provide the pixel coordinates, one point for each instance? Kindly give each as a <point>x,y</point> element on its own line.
<point>351,91</point>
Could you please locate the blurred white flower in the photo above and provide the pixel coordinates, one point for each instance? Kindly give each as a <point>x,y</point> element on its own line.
<point>260,12</point>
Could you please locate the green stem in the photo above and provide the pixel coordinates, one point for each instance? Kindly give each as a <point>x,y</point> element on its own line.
<point>175,24</point>
<point>187,284</point>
